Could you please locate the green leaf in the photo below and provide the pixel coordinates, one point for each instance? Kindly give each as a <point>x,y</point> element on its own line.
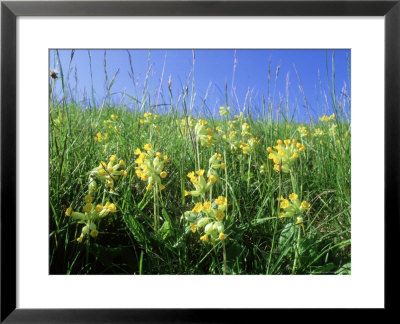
<point>344,269</point>
<point>287,235</point>
<point>324,269</point>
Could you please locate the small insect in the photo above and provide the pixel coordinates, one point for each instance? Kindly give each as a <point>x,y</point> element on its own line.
<point>54,74</point>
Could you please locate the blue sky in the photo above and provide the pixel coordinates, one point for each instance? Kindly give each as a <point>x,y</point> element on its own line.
<point>213,69</point>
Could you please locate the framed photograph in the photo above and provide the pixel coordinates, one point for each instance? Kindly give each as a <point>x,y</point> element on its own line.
<point>179,155</point>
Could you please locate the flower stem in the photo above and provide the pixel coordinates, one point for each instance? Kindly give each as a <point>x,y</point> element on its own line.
<point>248,174</point>
<point>293,180</point>
<point>224,255</point>
<point>297,251</point>
<point>155,200</point>
<point>197,153</point>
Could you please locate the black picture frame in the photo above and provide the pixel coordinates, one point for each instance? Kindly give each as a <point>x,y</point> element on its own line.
<point>10,10</point>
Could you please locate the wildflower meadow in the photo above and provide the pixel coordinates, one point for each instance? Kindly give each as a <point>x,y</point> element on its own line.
<point>151,182</point>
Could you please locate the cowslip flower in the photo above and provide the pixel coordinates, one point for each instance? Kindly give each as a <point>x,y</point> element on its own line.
<point>200,183</point>
<point>186,124</point>
<point>292,207</point>
<point>325,118</point>
<point>302,131</point>
<point>285,154</point>
<point>100,138</point>
<point>318,132</point>
<point>204,134</point>
<point>208,218</point>
<point>111,123</point>
<point>150,167</point>
<point>107,173</point>
<point>224,111</point>
<point>90,217</point>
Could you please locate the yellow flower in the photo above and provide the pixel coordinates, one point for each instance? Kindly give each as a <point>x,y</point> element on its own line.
<point>277,167</point>
<point>138,151</point>
<point>94,233</point>
<point>305,205</point>
<point>149,187</point>
<point>284,204</point>
<point>282,214</point>
<point>112,208</point>
<point>223,165</point>
<point>207,206</point>
<point>221,201</point>
<point>193,227</point>
<point>147,147</point>
<point>113,158</point>
<point>219,215</point>
<point>324,118</point>
<point>293,197</point>
<point>166,158</point>
<point>162,187</point>
<point>88,198</point>
<point>68,211</point>
<point>159,155</point>
<point>200,172</point>
<point>187,193</point>
<point>212,179</point>
<point>163,174</point>
<point>121,162</point>
<point>295,156</point>
<point>87,208</point>
<point>197,208</point>
<point>204,238</point>
<point>79,239</point>
<point>269,149</point>
<point>222,236</point>
<point>299,221</point>
<point>99,208</point>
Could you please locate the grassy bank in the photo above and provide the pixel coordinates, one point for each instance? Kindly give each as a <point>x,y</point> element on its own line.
<point>259,207</point>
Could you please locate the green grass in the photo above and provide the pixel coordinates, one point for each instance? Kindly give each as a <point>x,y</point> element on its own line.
<point>258,242</point>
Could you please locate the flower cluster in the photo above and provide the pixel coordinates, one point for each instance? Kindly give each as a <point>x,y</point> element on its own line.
<point>150,167</point>
<point>325,118</point>
<point>198,180</point>
<point>248,146</point>
<point>100,138</point>
<point>204,134</point>
<point>186,124</point>
<point>208,215</point>
<point>107,173</point>
<point>224,111</point>
<point>239,135</point>
<point>112,123</point>
<point>285,154</point>
<point>318,132</point>
<point>303,131</point>
<point>90,216</point>
<point>150,119</point>
<point>292,207</point>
